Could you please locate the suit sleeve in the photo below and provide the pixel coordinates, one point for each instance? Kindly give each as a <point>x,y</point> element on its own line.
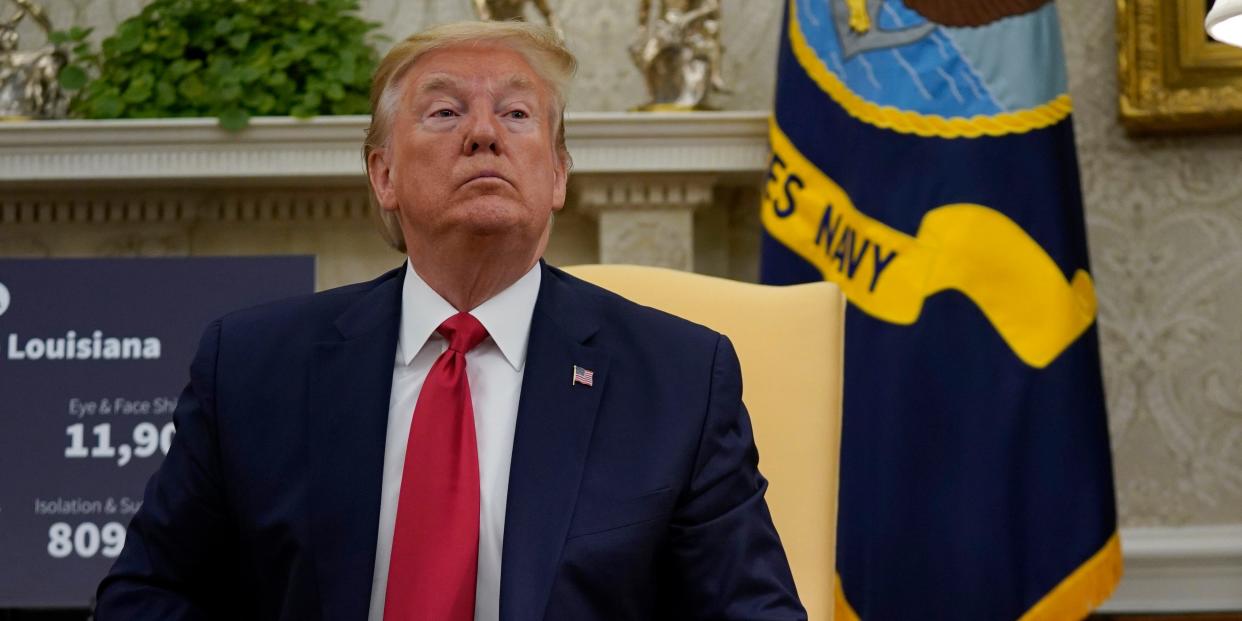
<point>172,564</point>
<point>724,545</point>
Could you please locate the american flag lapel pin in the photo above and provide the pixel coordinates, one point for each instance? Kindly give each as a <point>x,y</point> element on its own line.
<point>586,377</point>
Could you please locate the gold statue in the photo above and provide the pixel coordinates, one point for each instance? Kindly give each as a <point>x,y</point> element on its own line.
<point>679,53</point>
<point>506,10</point>
<point>29,84</point>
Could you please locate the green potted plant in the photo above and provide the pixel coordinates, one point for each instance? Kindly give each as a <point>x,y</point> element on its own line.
<point>231,59</point>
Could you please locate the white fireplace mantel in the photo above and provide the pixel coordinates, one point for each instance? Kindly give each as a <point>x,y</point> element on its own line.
<point>729,145</point>
<point>633,172</point>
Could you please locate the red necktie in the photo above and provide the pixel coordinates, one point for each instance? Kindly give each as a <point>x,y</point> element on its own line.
<point>435,544</point>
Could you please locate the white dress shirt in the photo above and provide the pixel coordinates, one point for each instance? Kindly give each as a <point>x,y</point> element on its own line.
<point>494,369</point>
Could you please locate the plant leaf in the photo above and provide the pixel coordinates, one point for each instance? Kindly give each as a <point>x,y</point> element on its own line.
<point>230,92</point>
<point>165,95</point>
<point>248,74</point>
<point>72,78</point>
<point>129,36</point>
<point>107,107</point>
<point>192,88</point>
<point>265,103</point>
<point>135,94</point>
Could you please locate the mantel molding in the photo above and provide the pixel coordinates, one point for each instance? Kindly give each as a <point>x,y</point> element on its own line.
<point>603,193</point>
<point>731,145</point>
<point>1180,569</point>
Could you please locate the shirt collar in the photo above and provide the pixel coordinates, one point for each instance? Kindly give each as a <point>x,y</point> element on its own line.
<point>506,316</point>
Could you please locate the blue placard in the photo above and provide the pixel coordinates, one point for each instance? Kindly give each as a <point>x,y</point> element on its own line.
<point>93,355</point>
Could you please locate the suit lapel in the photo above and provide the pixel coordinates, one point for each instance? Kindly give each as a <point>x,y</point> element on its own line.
<point>350,383</point>
<point>554,425</point>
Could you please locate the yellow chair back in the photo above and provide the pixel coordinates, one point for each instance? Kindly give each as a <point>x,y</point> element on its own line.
<point>789,341</point>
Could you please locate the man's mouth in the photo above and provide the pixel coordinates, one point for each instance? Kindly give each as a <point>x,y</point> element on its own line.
<point>485,175</point>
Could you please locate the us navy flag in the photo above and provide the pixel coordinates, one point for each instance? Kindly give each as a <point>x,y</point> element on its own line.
<point>923,160</point>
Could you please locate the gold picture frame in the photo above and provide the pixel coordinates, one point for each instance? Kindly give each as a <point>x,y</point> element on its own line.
<point>1172,77</point>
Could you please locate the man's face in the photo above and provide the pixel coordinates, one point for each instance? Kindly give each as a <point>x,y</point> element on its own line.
<point>471,155</point>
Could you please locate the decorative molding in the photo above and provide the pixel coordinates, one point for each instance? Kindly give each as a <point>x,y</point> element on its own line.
<point>111,206</point>
<point>600,193</point>
<point>646,219</point>
<point>180,150</point>
<point>328,149</point>
<point>730,145</point>
<point>1187,569</point>
<point>656,237</point>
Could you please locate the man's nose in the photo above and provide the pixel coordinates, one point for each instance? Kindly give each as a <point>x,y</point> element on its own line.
<point>482,134</point>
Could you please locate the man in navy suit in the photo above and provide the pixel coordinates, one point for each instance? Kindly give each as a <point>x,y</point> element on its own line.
<point>475,435</point>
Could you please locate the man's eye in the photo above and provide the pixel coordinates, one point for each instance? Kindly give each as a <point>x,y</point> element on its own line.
<point>443,113</point>
<point>518,114</point>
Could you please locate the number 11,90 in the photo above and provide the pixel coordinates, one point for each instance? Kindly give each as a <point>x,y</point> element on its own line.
<point>147,439</point>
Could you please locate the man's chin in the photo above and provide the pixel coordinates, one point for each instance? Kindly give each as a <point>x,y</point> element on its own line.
<point>490,217</point>
<point>491,230</point>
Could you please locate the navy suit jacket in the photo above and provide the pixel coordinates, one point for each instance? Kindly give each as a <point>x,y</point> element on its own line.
<point>635,498</point>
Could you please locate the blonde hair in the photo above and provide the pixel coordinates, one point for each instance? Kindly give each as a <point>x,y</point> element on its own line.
<point>539,45</point>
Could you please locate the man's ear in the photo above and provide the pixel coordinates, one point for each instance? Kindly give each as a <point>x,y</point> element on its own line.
<point>380,174</point>
<point>560,180</point>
